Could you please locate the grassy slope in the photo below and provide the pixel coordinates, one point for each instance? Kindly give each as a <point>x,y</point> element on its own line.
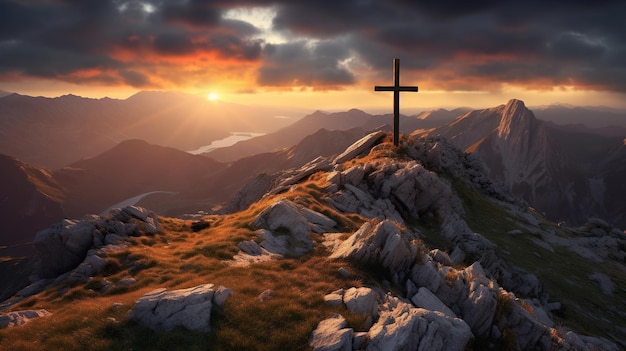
<point>179,258</point>
<point>563,273</point>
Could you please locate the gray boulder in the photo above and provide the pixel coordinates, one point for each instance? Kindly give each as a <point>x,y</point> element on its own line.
<point>163,310</point>
<point>361,300</point>
<point>19,318</point>
<point>480,307</point>
<point>290,233</point>
<point>404,327</point>
<point>382,243</point>
<point>63,246</point>
<point>427,300</point>
<point>332,334</point>
<point>361,146</point>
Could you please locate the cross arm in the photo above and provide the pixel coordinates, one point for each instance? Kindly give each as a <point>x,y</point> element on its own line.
<point>392,88</point>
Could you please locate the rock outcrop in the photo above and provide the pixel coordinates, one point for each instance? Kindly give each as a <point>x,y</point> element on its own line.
<point>399,326</point>
<point>284,230</point>
<point>65,245</point>
<point>19,318</point>
<point>162,310</point>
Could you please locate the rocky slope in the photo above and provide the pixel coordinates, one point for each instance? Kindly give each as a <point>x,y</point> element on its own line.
<point>378,248</point>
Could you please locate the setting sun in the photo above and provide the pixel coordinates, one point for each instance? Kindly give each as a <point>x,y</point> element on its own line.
<point>212,96</point>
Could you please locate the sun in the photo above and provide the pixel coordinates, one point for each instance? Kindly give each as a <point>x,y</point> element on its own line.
<point>212,96</point>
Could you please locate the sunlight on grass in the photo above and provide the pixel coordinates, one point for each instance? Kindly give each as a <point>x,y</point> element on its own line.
<point>85,318</point>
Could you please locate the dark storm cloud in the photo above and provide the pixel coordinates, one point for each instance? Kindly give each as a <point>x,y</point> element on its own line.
<point>574,42</point>
<point>523,42</point>
<point>302,63</point>
<point>58,39</point>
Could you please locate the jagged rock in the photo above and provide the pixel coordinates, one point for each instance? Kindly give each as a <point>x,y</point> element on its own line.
<point>427,300</point>
<point>441,257</point>
<point>403,327</point>
<point>63,246</point>
<point>335,298</point>
<point>332,335</point>
<point>292,177</point>
<point>19,318</point>
<point>530,334</point>
<point>361,146</point>
<point>290,232</point>
<point>383,243</point>
<point>250,247</point>
<point>361,300</point>
<point>480,307</point>
<point>427,274</point>
<point>92,264</point>
<point>318,222</point>
<point>163,310</point>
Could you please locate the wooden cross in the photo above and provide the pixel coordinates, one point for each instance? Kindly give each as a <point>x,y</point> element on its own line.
<point>396,88</point>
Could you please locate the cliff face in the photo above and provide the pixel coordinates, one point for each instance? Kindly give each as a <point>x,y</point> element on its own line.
<point>558,171</point>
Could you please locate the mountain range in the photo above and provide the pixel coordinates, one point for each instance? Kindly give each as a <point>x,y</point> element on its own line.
<point>380,247</point>
<point>567,172</point>
<point>54,132</point>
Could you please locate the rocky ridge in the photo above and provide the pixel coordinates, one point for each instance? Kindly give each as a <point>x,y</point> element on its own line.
<point>391,191</point>
<point>466,292</point>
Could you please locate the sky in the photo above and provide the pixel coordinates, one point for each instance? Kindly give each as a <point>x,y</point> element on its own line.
<point>319,53</point>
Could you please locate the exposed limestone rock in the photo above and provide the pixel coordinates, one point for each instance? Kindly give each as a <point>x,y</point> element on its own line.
<point>291,177</point>
<point>19,318</point>
<point>383,243</point>
<point>63,246</point>
<point>480,307</point>
<point>361,300</point>
<point>335,298</point>
<point>319,223</point>
<point>284,219</point>
<point>92,264</point>
<point>332,335</point>
<point>530,334</point>
<point>163,310</point>
<point>360,147</point>
<point>427,300</point>
<point>403,327</point>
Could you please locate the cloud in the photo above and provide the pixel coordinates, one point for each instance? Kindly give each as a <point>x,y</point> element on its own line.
<point>327,44</point>
<point>305,63</point>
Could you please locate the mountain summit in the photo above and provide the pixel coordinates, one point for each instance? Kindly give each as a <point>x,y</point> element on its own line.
<point>378,248</point>
<point>561,172</point>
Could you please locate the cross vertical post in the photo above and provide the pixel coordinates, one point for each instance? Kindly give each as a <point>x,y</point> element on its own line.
<point>396,88</point>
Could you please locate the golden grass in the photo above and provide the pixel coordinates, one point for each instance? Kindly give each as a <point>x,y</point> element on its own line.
<point>84,318</point>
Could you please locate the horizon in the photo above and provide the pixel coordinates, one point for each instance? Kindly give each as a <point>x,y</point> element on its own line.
<point>377,110</point>
<point>318,55</point>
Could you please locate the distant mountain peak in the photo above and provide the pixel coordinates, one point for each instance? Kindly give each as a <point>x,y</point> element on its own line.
<point>516,119</point>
